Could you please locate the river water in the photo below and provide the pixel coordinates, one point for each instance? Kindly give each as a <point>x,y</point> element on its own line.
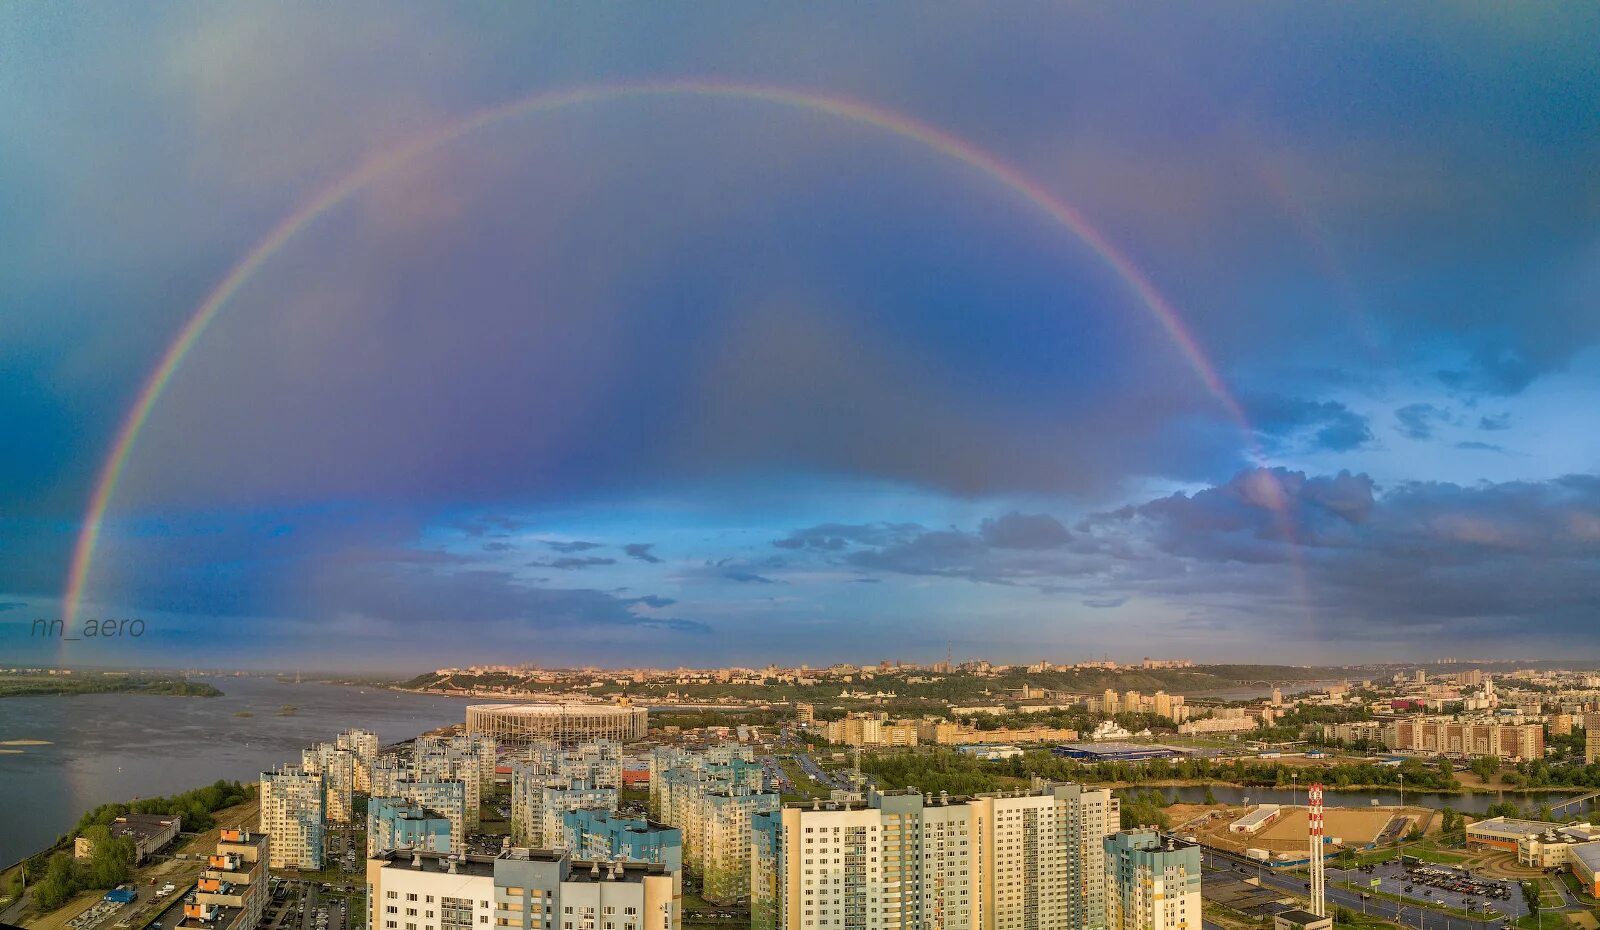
<point>116,747</point>
<point>1467,803</point>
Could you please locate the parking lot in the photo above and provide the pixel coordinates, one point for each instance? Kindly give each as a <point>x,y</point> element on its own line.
<point>1439,885</point>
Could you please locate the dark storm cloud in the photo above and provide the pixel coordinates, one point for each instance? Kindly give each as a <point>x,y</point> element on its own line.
<point>1496,422</point>
<point>641,551</point>
<point>1473,445</point>
<point>652,600</point>
<point>735,574</point>
<point>1419,555</point>
<point>1324,425</point>
<point>498,547</point>
<point>576,545</point>
<point>11,605</point>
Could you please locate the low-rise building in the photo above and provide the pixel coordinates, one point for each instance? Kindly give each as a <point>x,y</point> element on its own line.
<point>1297,919</point>
<point>149,832</point>
<point>1505,833</point>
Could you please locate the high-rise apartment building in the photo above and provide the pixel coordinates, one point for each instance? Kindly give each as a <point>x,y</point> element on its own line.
<point>721,826</point>
<point>1030,860</point>
<point>446,798</point>
<point>1152,882</point>
<point>600,834</point>
<point>292,807</point>
<point>398,823</point>
<point>520,889</point>
<point>1591,737</point>
<point>338,769</point>
<point>364,743</point>
<point>231,894</point>
<point>538,808</point>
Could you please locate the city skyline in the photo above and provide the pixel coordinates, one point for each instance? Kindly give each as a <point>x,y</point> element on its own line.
<point>703,342</point>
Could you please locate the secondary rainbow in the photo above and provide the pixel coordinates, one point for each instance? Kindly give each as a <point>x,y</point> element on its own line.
<point>898,124</point>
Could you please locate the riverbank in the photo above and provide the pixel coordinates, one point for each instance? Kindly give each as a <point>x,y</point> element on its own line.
<point>23,685</point>
<point>122,746</point>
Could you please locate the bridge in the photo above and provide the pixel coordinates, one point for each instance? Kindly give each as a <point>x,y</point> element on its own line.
<point>1571,802</point>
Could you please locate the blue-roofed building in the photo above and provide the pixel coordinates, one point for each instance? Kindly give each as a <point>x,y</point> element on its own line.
<point>598,833</point>
<point>396,823</point>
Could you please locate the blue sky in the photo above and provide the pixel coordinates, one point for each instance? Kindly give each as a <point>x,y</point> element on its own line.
<point>692,380</point>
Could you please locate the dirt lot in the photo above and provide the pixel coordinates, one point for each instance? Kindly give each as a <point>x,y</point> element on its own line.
<point>1355,826</point>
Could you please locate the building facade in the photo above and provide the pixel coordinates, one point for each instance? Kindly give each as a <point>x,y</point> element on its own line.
<point>520,889</point>
<point>1152,882</point>
<point>567,724</point>
<point>399,823</point>
<point>231,894</point>
<point>1028,860</point>
<point>1465,738</point>
<point>292,816</point>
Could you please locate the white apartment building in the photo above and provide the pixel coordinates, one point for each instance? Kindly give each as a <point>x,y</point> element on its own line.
<point>292,805</point>
<point>1029,860</point>
<point>538,806</point>
<point>364,743</point>
<point>338,770</point>
<point>520,889</point>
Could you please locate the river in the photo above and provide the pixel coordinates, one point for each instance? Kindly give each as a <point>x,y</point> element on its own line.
<point>1467,803</point>
<point>116,747</point>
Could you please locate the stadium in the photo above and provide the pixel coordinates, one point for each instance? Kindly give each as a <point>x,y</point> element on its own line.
<point>567,724</point>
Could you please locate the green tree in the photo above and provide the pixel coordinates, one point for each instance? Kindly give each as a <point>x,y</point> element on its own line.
<point>1345,916</point>
<point>1530,896</point>
<point>1211,797</point>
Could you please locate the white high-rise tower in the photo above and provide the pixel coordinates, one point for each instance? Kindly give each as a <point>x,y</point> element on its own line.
<point>1319,905</point>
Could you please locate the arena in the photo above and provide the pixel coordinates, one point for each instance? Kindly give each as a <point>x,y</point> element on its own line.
<point>567,724</point>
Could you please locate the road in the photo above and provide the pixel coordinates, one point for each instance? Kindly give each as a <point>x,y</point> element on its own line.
<point>1406,914</point>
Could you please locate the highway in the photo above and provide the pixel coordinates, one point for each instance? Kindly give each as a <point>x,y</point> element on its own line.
<point>1409,915</point>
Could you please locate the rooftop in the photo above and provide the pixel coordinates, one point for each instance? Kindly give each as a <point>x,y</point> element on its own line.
<point>1301,917</point>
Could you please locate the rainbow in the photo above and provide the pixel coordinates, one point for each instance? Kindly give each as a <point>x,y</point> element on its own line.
<point>897,124</point>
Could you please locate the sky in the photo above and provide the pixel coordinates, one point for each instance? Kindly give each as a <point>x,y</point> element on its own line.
<point>801,333</point>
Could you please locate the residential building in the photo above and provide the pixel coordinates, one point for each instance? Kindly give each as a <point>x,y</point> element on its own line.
<point>338,770</point>
<point>399,823</point>
<point>1152,882</point>
<point>364,743</point>
<point>1465,738</point>
<point>1591,737</point>
<point>1031,860</point>
<point>721,827</point>
<point>538,808</point>
<point>599,833</point>
<point>292,808</point>
<point>446,798</point>
<point>520,889</point>
<point>231,893</point>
